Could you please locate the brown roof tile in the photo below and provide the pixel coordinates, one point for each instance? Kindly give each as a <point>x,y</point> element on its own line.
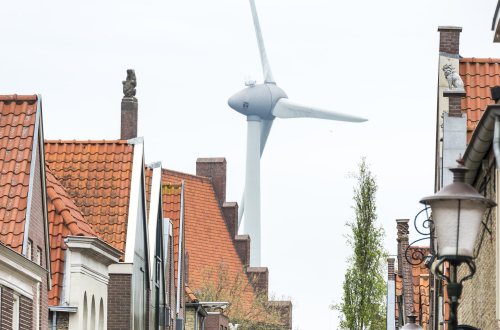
<point>207,239</point>
<point>97,176</point>
<point>479,75</point>
<point>17,129</point>
<point>65,219</point>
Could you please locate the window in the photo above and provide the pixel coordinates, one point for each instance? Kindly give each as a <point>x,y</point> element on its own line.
<point>38,255</point>
<point>29,249</point>
<point>15,313</point>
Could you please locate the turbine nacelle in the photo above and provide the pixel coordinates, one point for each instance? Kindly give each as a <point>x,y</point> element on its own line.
<point>257,100</point>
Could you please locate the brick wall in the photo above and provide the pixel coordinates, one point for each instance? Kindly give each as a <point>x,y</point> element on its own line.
<point>215,321</point>
<point>259,277</point>
<point>6,311</point>
<point>6,308</point>
<point>449,39</point>
<point>129,118</point>
<point>37,235</point>
<point>62,320</point>
<point>26,313</point>
<point>119,301</point>
<point>189,321</point>
<point>215,169</point>
<point>477,305</point>
<point>405,267</point>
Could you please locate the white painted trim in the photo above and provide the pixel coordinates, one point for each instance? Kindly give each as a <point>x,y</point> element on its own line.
<point>121,268</point>
<point>65,309</point>
<point>93,246</point>
<point>133,207</point>
<point>19,273</point>
<point>153,221</point>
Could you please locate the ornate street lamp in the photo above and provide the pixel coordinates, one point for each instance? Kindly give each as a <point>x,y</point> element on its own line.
<point>457,213</point>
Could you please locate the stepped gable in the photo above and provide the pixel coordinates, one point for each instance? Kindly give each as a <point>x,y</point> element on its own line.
<point>65,219</point>
<point>17,129</point>
<point>207,240</point>
<point>478,75</point>
<point>97,176</point>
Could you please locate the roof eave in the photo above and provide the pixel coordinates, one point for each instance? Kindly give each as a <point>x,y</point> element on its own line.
<point>480,142</point>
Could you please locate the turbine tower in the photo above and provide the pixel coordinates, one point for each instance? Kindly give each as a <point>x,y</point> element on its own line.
<point>261,104</point>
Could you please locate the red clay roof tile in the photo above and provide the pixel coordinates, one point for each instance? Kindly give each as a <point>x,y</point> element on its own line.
<point>479,75</point>
<point>65,219</point>
<point>17,127</point>
<point>207,239</point>
<point>97,176</point>
<point>420,285</point>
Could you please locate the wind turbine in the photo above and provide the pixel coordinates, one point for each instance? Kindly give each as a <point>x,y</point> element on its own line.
<point>261,104</point>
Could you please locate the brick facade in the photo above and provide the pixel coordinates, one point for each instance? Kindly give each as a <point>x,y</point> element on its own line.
<point>38,236</point>
<point>129,118</point>
<point>449,39</point>
<point>259,277</point>
<point>6,311</point>
<point>119,301</point>
<point>215,169</point>
<point>216,321</point>
<point>478,301</point>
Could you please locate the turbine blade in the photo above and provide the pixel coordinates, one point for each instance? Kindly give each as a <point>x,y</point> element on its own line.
<point>265,128</point>
<point>266,68</point>
<point>285,108</point>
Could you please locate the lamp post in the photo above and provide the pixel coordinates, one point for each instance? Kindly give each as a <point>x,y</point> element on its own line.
<point>457,212</point>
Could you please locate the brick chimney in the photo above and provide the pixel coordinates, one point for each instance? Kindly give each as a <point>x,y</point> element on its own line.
<point>129,107</point>
<point>449,39</point>
<point>404,266</point>
<point>215,169</point>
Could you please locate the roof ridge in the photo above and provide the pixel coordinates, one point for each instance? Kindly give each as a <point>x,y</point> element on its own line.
<point>480,60</point>
<point>89,141</point>
<point>202,178</point>
<point>15,97</point>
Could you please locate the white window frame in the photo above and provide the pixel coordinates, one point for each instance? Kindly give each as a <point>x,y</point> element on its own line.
<point>15,312</point>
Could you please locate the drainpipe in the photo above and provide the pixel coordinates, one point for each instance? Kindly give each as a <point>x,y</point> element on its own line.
<point>181,234</point>
<point>54,320</point>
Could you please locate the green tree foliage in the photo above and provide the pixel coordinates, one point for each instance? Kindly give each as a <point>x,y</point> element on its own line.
<point>363,305</point>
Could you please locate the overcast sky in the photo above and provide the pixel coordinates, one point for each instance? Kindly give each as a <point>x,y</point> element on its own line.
<point>376,59</point>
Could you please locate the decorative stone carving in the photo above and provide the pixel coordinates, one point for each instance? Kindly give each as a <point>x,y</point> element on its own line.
<point>454,80</point>
<point>129,84</point>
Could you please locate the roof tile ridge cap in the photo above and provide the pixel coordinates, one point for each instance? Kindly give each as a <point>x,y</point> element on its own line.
<point>16,97</point>
<point>88,141</point>
<point>480,60</point>
<point>202,178</point>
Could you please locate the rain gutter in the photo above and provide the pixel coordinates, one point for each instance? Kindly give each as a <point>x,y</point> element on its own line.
<point>486,134</point>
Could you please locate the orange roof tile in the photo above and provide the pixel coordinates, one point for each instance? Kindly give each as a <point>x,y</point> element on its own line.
<point>97,176</point>
<point>191,297</point>
<point>207,239</point>
<point>420,285</point>
<point>479,75</point>
<point>65,219</point>
<point>17,129</point>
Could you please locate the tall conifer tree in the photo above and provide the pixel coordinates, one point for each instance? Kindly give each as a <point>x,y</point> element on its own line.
<point>363,304</point>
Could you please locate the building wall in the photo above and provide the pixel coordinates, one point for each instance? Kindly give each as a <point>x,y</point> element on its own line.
<point>477,305</point>
<point>90,281</point>
<point>62,320</point>
<point>119,301</point>
<point>37,236</point>
<point>6,310</point>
